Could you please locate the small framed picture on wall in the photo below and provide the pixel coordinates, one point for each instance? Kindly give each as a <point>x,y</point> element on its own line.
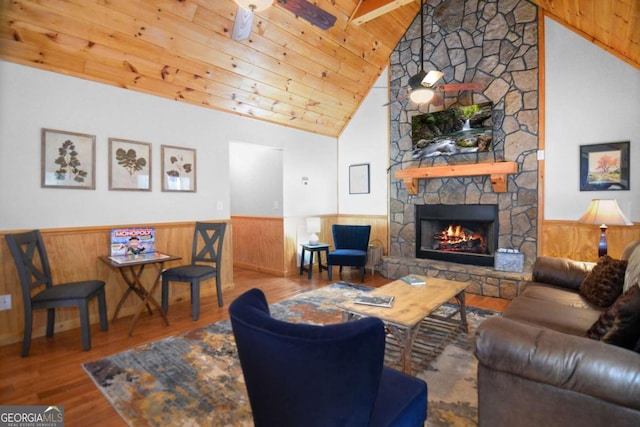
<point>604,167</point>
<point>129,165</point>
<point>178,169</point>
<point>68,160</point>
<point>359,178</point>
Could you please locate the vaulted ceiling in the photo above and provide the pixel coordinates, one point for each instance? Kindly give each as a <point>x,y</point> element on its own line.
<point>288,72</point>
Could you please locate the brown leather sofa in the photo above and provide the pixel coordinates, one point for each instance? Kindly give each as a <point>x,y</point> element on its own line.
<point>536,367</point>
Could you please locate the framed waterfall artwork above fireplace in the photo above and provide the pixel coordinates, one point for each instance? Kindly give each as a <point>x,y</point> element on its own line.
<point>456,130</point>
<point>604,167</point>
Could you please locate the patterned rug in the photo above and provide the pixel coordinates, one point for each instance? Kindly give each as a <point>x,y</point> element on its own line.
<point>195,379</point>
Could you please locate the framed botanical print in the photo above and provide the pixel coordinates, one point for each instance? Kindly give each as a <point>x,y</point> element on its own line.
<point>129,165</point>
<point>178,168</point>
<point>68,160</point>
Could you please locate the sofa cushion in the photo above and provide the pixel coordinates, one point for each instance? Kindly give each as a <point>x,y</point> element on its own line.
<point>552,315</point>
<point>620,324</point>
<point>556,294</point>
<point>632,274</point>
<point>563,272</point>
<point>631,247</point>
<point>604,282</point>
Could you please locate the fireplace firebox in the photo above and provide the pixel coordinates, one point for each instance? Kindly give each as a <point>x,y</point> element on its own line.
<point>465,234</point>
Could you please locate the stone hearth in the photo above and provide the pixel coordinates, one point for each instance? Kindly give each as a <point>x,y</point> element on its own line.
<point>494,43</point>
<point>484,280</point>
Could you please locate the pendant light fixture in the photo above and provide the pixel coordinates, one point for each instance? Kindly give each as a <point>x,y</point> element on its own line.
<point>254,5</point>
<point>421,84</point>
<point>244,17</point>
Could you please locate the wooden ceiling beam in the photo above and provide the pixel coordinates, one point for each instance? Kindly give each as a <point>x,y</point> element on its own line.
<point>371,9</point>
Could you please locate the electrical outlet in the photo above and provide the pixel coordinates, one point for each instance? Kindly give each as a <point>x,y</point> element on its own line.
<point>5,302</point>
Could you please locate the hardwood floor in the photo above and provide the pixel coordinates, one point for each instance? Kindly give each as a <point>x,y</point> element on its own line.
<point>53,375</point>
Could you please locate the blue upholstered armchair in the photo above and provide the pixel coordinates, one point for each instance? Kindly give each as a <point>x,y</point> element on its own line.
<point>309,375</point>
<point>350,247</point>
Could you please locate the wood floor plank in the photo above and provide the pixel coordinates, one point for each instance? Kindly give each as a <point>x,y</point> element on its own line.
<point>53,374</point>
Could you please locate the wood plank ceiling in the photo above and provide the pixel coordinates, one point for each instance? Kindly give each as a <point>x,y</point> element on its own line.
<point>288,72</point>
<point>614,25</point>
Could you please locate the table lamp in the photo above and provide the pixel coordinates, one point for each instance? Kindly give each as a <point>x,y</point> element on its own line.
<point>604,212</point>
<point>313,227</point>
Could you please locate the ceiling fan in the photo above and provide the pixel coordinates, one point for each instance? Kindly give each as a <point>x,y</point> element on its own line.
<point>302,8</point>
<point>422,86</point>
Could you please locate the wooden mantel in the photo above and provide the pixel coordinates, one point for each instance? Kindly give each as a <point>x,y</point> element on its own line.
<point>497,170</point>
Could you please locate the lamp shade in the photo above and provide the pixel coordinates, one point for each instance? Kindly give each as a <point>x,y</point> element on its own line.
<point>254,5</point>
<point>314,225</point>
<point>604,211</point>
<point>432,77</point>
<point>421,95</point>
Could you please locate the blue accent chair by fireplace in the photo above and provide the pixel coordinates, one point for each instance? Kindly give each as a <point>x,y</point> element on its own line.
<point>350,247</point>
<point>307,375</point>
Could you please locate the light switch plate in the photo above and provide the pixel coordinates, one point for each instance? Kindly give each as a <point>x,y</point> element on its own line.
<point>5,302</point>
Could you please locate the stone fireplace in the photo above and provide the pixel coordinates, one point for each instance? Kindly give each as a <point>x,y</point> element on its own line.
<point>494,43</point>
<point>465,234</point>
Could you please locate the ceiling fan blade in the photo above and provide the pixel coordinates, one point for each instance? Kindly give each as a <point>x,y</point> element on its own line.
<point>309,12</point>
<point>399,98</point>
<point>242,25</point>
<point>452,87</point>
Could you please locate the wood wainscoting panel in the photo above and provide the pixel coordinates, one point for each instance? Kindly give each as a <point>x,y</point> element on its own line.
<point>272,245</point>
<point>73,255</point>
<point>570,239</point>
<point>258,243</point>
<point>379,228</point>
<point>296,234</point>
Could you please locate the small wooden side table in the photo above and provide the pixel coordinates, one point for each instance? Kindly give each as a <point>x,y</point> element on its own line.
<point>319,248</point>
<point>131,268</point>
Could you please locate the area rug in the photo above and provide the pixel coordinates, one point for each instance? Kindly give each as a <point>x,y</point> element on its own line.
<point>195,379</point>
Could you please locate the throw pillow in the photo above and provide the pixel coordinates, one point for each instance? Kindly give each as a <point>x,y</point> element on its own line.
<point>632,275</point>
<point>604,282</point>
<point>620,324</point>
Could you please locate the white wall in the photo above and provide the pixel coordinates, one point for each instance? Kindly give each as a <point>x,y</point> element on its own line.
<point>256,179</point>
<point>366,140</point>
<point>592,97</point>
<point>32,99</point>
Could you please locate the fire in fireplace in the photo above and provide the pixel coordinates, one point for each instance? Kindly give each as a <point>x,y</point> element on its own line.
<point>456,238</point>
<point>466,234</point>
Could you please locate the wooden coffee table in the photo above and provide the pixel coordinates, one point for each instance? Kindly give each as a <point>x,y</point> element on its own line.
<point>411,306</point>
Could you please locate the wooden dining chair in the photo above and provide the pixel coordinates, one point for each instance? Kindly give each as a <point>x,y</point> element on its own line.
<point>206,255</point>
<point>32,263</point>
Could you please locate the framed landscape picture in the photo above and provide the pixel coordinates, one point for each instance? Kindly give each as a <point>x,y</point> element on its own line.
<point>178,169</point>
<point>604,167</point>
<point>68,160</point>
<point>129,165</point>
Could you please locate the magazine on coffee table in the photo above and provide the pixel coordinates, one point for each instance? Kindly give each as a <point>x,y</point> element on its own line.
<point>376,300</point>
<point>414,280</point>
